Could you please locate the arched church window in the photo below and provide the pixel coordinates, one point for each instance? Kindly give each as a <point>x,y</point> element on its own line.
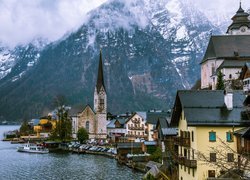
<point>213,69</point>
<point>87,126</point>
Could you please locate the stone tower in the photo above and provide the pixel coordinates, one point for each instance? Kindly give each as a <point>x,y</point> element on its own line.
<point>100,103</point>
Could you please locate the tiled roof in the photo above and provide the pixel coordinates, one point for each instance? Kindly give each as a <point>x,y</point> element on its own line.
<point>232,64</point>
<point>244,132</point>
<point>111,124</point>
<point>225,46</point>
<point>142,114</point>
<point>152,117</point>
<point>169,131</point>
<point>208,108</point>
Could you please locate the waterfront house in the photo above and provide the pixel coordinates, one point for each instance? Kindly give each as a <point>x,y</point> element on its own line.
<point>206,121</point>
<point>123,149</point>
<point>116,129</point>
<point>152,117</point>
<point>149,147</point>
<point>165,138</point>
<point>136,127</point>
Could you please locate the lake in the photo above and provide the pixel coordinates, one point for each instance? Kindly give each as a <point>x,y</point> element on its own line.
<point>15,165</point>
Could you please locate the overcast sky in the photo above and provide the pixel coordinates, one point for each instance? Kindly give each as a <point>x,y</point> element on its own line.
<point>22,21</point>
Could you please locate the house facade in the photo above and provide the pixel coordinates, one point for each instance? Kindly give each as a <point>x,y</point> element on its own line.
<point>116,130</point>
<point>136,127</point>
<point>206,121</point>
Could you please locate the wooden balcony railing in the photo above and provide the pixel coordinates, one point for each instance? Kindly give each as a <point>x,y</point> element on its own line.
<point>135,128</point>
<point>187,162</point>
<point>136,136</point>
<point>191,163</point>
<point>182,141</point>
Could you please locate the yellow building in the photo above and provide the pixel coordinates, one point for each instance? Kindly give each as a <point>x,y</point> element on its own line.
<point>206,121</point>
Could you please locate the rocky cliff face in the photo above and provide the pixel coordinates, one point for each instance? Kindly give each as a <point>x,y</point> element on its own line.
<point>150,49</point>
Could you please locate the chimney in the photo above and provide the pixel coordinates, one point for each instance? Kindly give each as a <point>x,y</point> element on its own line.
<point>228,99</point>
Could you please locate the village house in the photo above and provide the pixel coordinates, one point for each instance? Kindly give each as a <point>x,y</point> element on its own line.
<point>227,53</point>
<point>206,121</point>
<point>116,129</point>
<point>243,141</point>
<point>136,127</point>
<point>245,77</point>
<point>152,118</point>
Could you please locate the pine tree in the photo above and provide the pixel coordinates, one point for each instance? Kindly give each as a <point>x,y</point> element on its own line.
<point>220,81</point>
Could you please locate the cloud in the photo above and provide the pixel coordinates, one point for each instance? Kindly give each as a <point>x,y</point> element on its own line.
<point>22,21</point>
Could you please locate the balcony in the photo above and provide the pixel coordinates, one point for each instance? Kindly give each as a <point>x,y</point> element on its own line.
<point>187,162</point>
<point>135,128</point>
<point>137,136</point>
<point>180,141</point>
<point>191,163</point>
<point>136,121</point>
<point>181,160</point>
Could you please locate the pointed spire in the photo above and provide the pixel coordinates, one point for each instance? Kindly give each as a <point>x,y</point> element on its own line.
<point>240,10</point>
<point>100,79</point>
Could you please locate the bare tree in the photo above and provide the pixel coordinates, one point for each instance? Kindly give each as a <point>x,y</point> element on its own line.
<point>227,160</point>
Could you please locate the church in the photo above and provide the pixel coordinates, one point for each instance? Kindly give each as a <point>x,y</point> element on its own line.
<point>94,120</point>
<point>227,53</point>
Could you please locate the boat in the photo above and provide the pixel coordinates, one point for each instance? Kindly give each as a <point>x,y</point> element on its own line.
<point>32,148</point>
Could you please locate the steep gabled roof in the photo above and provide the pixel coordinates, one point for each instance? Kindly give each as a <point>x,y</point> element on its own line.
<point>228,46</point>
<point>142,114</point>
<point>152,117</point>
<point>87,107</point>
<point>100,79</point>
<point>232,64</point>
<point>207,108</point>
<point>244,69</point>
<point>111,124</point>
<point>245,132</point>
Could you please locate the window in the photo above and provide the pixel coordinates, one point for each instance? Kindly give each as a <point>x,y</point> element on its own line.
<point>212,157</point>
<point>192,134</point>
<point>212,136</point>
<point>230,76</point>
<point>230,157</point>
<point>102,103</point>
<point>229,136</point>
<point>211,173</point>
<point>242,142</point>
<point>193,171</point>
<point>87,126</point>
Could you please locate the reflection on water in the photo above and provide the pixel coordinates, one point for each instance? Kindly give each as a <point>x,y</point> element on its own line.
<point>16,165</point>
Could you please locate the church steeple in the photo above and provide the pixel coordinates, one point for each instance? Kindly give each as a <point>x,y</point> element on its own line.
<point>100,79</point>
<point>240,24</point>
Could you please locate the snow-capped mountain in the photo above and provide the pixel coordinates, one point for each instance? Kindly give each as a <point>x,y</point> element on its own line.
<point>150,49</point>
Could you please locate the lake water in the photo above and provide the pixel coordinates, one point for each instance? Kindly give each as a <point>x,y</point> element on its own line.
<point>15,165</point>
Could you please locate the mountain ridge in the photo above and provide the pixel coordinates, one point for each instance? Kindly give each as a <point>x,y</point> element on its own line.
<point>144,65</point>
